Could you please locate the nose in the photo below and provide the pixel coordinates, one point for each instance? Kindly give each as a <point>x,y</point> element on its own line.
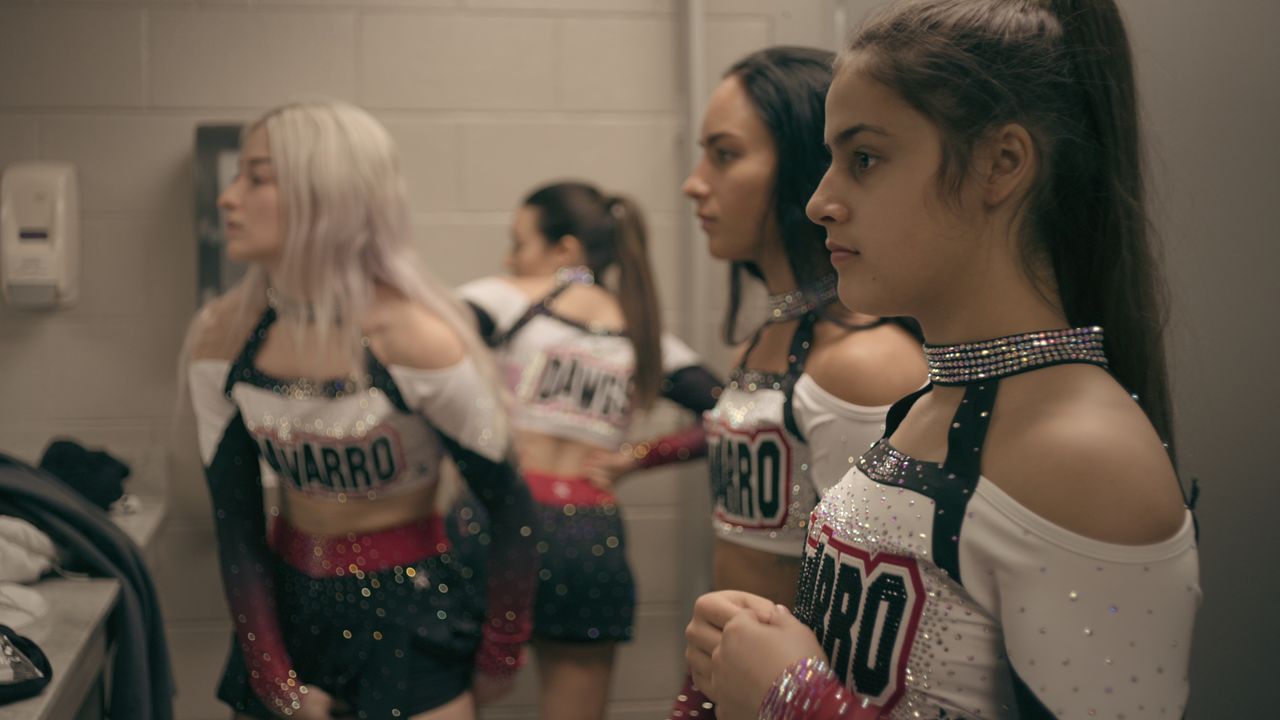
<point>823,208</point>
<point>694,186</point>
<point>229,198</point>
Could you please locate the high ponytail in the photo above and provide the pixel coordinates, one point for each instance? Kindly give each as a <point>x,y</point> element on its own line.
<point>639,298</point>
<point>612,233</point>
<point>1103,259</point>
<point>1063,69</point>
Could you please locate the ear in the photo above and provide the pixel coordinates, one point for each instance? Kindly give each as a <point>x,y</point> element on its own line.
<point>569,251</point>
<point>1007,164</point>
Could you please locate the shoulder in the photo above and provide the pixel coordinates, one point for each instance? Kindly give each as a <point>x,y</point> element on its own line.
<point>221,326</point>
<point>494,287</point>
<point>1074,448</point>
<point>873,367</point>
<point>532,288</point>
<point>405,333</point>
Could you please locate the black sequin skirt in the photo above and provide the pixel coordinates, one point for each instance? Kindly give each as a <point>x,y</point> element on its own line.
<point>586,592</point>
<point>388,642</point>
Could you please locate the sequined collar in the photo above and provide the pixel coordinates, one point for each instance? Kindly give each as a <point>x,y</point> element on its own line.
<point>791,305</point>
<point>988,359</point>
<point>580,274</point>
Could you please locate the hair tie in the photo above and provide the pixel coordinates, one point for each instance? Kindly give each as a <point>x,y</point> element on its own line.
<point>617,208</point>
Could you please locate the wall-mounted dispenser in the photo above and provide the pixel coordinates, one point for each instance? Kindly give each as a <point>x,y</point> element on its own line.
<point>39,235</point>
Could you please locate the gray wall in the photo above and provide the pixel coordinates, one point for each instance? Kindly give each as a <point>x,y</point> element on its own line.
<point>519,90</point>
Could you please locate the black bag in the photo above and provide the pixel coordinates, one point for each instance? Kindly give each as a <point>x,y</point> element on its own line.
<point>30,669</point>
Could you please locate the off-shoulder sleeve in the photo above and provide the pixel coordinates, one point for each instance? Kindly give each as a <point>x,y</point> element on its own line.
<point>229,456</point>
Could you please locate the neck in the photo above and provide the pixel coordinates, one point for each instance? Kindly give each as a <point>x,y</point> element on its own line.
<point>995,298</point>
<point>776,269</point>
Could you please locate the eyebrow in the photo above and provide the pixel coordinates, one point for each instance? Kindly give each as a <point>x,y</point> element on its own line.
<point>252,162</point>
<point>846,135</point>
<point>716,137</point>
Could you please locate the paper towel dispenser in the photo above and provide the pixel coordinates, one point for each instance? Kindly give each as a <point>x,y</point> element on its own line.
<point>39,235</point>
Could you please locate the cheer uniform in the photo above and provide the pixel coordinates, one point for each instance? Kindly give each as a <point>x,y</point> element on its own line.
<point>936,595</point>
<point>573,381</point>
<point>777,442</point>
<point>392,622</point>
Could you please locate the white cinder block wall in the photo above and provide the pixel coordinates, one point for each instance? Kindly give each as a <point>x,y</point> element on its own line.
<point>485,97</point>
<point>488,97</point>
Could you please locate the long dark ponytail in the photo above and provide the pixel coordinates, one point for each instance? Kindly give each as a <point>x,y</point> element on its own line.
<point>1064,70</point>
<point>612,232</point>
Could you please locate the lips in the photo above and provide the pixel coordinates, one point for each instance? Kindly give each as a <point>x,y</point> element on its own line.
<point>836,248</point>
<point>840,253</point>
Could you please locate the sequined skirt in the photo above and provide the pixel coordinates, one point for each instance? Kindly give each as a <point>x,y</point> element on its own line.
<point>586,592</point>
<point>388,622</point>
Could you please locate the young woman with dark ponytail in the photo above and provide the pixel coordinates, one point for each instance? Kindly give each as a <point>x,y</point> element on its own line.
<point>1020,554</point>
<point>814,380</point>
<point>578,333</point>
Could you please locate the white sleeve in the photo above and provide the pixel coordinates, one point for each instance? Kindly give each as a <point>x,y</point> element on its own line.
<point>676,355</point>
<point>459,403</point>
<point>1089,627</point>
<point>213,410</point>
<point>837,432</point>
<point>499,299</point>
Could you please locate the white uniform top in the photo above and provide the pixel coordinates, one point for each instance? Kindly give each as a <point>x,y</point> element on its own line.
<point>777,442</point>
<point>569,380</point>
<point>335,440</point>
<point>935,594</point>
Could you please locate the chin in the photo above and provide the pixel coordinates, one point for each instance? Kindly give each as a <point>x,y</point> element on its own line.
<point>859,300</point>
<point>718,250</point>
<point>238,252</point>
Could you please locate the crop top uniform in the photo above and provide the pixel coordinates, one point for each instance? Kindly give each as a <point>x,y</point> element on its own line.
<point>344,441</point>
<point>573,381</point>
<point>934,594</point>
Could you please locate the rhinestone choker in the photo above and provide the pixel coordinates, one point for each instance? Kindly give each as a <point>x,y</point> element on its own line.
<point>288,308</point>
<point>791,305</point>
<point>580,274</point>
<point>971,362</point>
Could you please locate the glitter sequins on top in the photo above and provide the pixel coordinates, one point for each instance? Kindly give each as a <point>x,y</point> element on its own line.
<point>776,441</point>
<point>351,442</point>
<point>568,379</point>
<point>934,594</point>
<point>572,381</point>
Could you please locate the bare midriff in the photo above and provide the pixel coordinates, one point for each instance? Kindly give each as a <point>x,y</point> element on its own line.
<point>734,567</point>
<point>553,455</point>
<point>356,513</point>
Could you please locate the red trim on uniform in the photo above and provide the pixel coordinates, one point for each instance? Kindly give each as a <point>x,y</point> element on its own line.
<point>560,490</point>
<point>334,555</point>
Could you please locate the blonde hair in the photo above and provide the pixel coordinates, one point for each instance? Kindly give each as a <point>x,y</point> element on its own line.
<point>346,230</point>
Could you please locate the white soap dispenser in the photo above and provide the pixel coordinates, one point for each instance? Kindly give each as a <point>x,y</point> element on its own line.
<point>39,235</point>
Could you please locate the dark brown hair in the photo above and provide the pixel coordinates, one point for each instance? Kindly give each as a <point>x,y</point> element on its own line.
<point>612,232</point>
<point>787,87</point>
<point>1062,69</point>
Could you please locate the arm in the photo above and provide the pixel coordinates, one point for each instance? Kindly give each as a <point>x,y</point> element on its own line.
<point>512,563</point>
<point>694,388</point>
<point>230,459</point>
<point>756,660</point>
<point>466,413</point>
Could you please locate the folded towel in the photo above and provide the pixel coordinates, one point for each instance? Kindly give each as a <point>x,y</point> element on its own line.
<point>26,553</point>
